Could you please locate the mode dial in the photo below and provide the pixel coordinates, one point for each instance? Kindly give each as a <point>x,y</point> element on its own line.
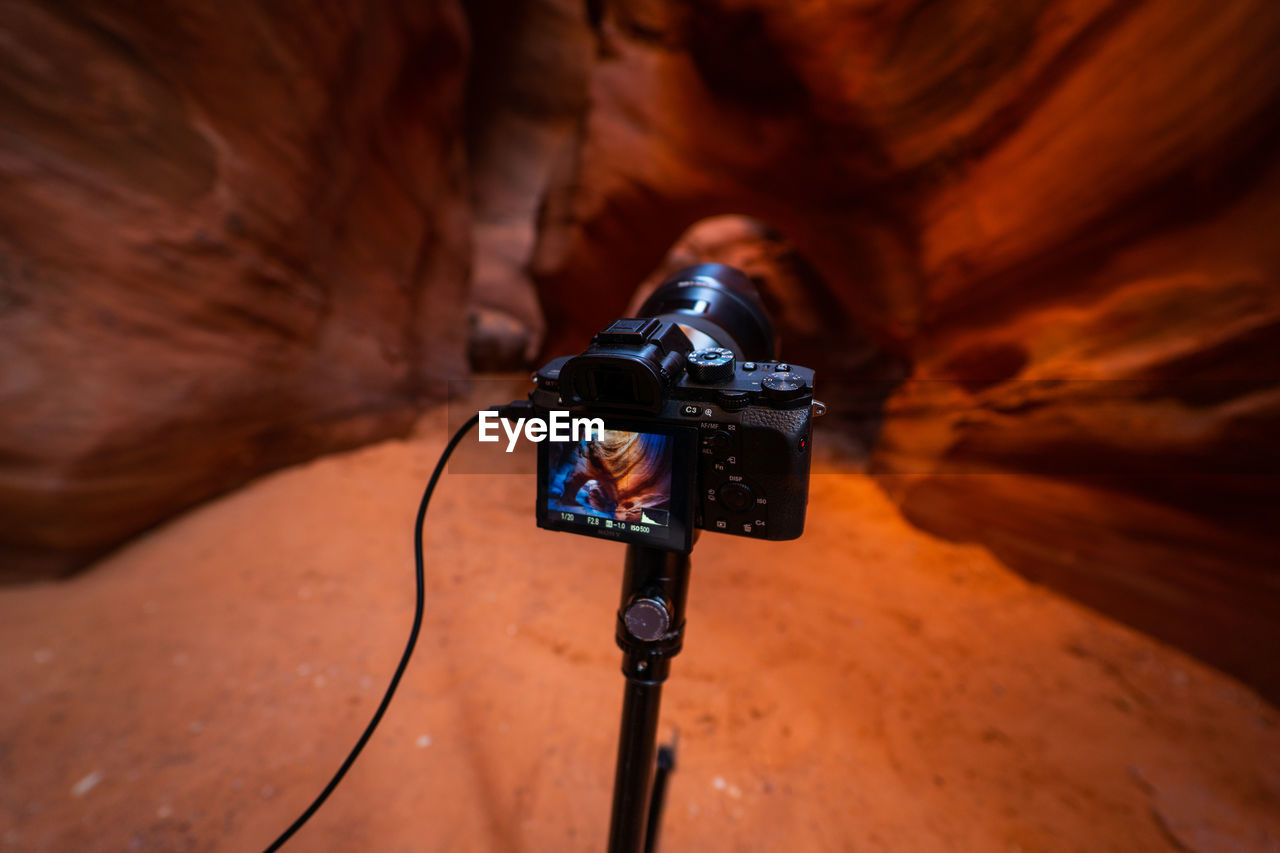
<point>714,364</point>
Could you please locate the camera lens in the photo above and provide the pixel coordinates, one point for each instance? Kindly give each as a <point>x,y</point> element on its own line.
<point>717,306</point>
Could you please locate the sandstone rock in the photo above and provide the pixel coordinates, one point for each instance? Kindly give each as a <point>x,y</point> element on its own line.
<point>525,98</point>
<point>232,237</point>
<point>1120,445</point>
<point>1059,214</point>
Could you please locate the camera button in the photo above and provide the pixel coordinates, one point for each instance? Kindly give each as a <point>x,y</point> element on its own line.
<point>748,365</point>
<point>783,368</point>
<point>690,410</point>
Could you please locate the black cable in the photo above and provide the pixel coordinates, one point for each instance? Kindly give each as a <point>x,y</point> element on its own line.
<point>408,649</point>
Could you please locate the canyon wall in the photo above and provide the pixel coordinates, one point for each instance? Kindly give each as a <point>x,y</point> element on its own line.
<point>232,236</point>
<point>1028,246</point>
<point>1060,214</point>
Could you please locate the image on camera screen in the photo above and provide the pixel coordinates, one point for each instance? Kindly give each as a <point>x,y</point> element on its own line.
<point>621,477</point>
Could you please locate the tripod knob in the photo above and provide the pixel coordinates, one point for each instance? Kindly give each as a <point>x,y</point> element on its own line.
<point>647,619</point>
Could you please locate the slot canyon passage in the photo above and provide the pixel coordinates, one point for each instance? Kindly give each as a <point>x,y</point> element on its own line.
<point>256,261</point>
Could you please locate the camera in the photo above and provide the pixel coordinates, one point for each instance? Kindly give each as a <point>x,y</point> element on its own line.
<point>702,426</point>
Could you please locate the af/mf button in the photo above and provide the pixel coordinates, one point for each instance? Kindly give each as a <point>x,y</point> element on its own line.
<point>719,441</point>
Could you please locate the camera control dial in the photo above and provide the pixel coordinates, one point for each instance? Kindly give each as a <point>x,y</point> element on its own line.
<point>784,388</point>
<point>713,364</point>
<point>733,401</point>
<point>737,497</point>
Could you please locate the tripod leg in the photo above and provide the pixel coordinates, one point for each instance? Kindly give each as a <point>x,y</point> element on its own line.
<point>666,766</point>
<point>650,632</point>
<point>635,766</point>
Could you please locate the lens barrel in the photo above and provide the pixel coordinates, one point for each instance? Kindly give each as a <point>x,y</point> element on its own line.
<point>720,302</point>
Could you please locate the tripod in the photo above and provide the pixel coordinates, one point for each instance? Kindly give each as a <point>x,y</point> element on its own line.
<point>650,631</point>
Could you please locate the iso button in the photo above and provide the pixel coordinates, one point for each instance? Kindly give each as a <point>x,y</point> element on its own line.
<point>784,389</point>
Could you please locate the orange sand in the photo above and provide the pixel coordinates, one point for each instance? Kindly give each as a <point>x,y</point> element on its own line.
<point>867,687</point>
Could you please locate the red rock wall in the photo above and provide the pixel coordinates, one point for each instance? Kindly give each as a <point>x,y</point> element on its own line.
<point>232,236</point>
<point>1061,213</point>
<point>526,94</point>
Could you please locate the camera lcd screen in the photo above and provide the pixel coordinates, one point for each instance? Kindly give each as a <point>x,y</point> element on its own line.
<point>625,484</point>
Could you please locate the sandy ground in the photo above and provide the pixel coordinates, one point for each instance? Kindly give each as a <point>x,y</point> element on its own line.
<point>867,687</point>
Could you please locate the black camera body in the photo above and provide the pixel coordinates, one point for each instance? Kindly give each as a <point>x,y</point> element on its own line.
<point>695,438</point>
